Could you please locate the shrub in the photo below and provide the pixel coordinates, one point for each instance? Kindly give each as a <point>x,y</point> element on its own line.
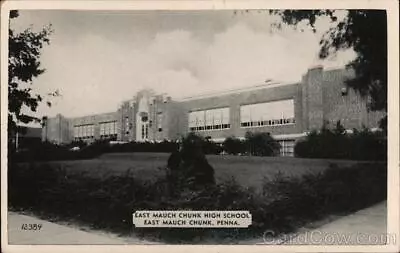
<point>367,145</point>
<point>188,167</point>
<point>79,143</point>
<point>336,190</point>
<point>261,144</point>
<point>234,146</point>
<point>157,147</point>
<point>93,150</point>
<point>44,151</point>
<point>47,151</point>
<point>338,144</point>
<point>211,148</point>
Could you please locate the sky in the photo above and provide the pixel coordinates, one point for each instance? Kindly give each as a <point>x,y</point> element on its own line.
<point>96,59</point>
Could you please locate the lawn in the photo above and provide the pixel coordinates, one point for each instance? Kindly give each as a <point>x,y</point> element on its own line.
<point>248,171</point>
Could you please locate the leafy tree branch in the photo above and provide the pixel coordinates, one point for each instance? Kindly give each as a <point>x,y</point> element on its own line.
<point>365,31</point>
<point>23,66</point>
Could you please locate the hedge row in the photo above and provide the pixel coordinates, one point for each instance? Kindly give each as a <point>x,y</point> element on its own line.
<point>326,143</point>
<point>50,152</point>
<point>259,144</point>
<point>339,144</point>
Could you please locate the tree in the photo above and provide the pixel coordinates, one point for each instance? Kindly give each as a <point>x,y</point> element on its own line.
<point>336,143</point>
<point>23,66</point>
<point>234,146</point>
<point>261,144</point>
<point>363,30</point>
<point>188,168</point>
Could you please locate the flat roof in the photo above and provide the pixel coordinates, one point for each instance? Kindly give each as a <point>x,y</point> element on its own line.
<point>268,85</point>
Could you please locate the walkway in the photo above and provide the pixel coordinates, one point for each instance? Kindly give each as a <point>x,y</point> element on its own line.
<point>365,227</point>
<point>51,233</point>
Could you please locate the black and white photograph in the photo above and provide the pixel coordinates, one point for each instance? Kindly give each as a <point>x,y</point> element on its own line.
<point>200,126</point>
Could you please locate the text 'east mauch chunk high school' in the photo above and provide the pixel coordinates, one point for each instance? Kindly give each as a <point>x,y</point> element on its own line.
<point>286,111</point>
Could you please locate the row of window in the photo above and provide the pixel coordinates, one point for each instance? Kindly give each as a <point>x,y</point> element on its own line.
<point>108,136</point>
<point>209,128</point>
<point>253,115</point>
<point>83,138</point>
<point>275,122</point>
<point>207,120</point>
<point>106,128</point>
<point>81,131</point>
<point>261,112</point>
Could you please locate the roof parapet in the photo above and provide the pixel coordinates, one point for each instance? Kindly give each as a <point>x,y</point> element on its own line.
<point>269,84</point>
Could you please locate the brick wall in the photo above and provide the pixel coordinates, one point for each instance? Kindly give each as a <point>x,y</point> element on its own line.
<point>345,104</point>
<point>56,130</point>
<point>91,119</point>
<point>235,100</point>
<point>313,98</point>
<point>126,132</point>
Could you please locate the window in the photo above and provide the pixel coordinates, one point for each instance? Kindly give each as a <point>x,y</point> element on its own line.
<point>114,128</point>
<point>200,119</point>
<point>245,117</point>
<point>102,129</point>
<point>76,131</point>
<point>83,131</point>
<point>193,121</point>
<point>225,118</point>
<point>145,131</point>
<point>159,121</point>
<point>126,123</point>
<point>208,120</point>
<point>287,147</point>
<point>108,129</point>
<point>267,114</point>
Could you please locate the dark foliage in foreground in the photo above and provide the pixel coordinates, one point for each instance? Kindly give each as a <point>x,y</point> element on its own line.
<point>234,146</point>
<point>188,168</point>
<point>337,144</point>
<point>283,205</point>
<point>261,144</point>
<point>256,144</point>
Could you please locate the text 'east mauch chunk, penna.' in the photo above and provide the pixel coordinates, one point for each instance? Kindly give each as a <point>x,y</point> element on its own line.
<point>199,219</point>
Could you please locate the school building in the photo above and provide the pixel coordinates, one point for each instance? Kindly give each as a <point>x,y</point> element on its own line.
<point>288,111</point>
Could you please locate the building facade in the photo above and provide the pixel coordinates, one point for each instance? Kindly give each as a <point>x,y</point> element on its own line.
<point>286,111</point>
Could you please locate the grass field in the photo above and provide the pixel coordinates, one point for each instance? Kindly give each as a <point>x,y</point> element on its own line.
<point>248,171</point>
